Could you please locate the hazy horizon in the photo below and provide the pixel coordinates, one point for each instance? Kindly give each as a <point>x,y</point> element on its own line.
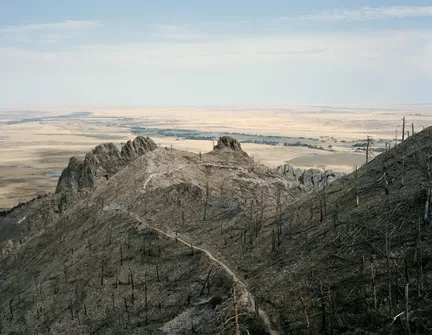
<point>65,108</point>
<point>222,53</point>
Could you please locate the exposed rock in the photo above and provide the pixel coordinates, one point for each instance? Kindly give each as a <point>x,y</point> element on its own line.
<point>229,143</point>
<point>310,178</point>
<point>100,164</point>
<point>139,146</point>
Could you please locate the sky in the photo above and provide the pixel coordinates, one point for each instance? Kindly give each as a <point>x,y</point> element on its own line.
<point>226,52</point>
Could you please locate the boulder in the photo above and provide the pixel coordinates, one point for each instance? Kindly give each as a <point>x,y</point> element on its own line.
<point>229,143</point>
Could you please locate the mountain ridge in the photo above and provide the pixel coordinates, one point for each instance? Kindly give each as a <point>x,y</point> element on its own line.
<point>306,257</point>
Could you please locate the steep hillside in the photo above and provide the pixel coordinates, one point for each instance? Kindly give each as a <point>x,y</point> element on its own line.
<point>351,257</point>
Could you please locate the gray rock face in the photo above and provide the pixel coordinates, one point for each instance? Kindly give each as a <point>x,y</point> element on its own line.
<point>139,146</point>
<point>229,143</point>
<point>101,163</point>
<point>310,178</point>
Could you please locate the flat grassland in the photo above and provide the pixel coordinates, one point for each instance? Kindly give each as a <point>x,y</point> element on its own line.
<point>36,145</point>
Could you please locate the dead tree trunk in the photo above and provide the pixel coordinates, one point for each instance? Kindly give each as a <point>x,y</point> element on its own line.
<point>237,329</point>
<point>373,275</point>
<point>356,186</point>
<point>205,282</point>
<point>11,308</point>
<point>427,212</point>
<point>419,260</point>
<point>145,294</point>
<point>102,275</point>
<point>323,311</point>
<point>206,201</point>
<point>406,296</point>
<point>71,308</point>
<point>387,250</point>
<point>403,128</point>
<point>273,242</point>
<point>407,308</point>
<point>367,149</point>
<point>386,187</point>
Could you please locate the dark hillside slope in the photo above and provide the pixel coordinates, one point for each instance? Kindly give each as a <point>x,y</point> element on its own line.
<point>104,272</point>
<point>360,268</point>
<point>317,262</point>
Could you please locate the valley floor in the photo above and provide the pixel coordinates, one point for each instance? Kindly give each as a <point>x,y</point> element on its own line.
<point>36,146</point>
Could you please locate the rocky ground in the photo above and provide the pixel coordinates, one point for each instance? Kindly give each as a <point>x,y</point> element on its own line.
<point>125,245</point>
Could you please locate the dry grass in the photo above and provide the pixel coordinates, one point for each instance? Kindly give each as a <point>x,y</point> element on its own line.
<point>29,151</point>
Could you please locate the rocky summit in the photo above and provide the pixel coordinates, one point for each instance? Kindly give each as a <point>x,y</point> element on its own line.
<point>229,143</point>
<point>99,165</point>
<point>148,240</point>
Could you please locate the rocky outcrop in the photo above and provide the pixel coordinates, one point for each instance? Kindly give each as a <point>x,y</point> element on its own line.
<point>229,143</point>
<point>100,164</point>
<point>310,178</point>
<point>139,146</point>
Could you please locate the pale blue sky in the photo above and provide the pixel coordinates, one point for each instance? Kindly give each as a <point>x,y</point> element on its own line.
<point>166,52</point>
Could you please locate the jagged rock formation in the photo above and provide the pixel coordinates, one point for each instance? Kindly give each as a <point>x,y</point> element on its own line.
<point>336,260</point>
<point>310,178</point>
<point>138,147</point>
<point>99,165</point>
<point>229,143</point>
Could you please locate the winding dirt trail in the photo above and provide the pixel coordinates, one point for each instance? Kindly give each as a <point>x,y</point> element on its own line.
<point>261,313</point>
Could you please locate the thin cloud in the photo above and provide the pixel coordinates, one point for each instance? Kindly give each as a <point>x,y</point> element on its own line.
<point>65,25</point>
<point>409,49</point>
<point>52,38</point>
<point>370,13</point>
<point>176,32</point>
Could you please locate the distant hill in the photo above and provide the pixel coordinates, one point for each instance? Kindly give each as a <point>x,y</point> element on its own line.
<point>141,239</point>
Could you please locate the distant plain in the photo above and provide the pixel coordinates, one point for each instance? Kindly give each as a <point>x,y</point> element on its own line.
<point>36,145</point>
